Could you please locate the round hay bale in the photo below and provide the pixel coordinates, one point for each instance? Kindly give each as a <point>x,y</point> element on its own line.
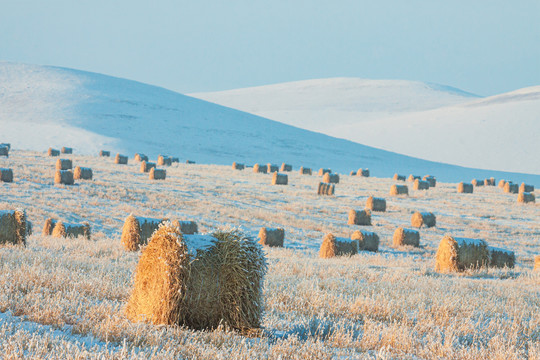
<point>53,152</point>
<point>279,179</point>
<point>273,237</point>
<point>490,181</point>
<point>376,204</point>
<point>7,145</point>
<point>190,162</point>
<point>260,169</point>
<point>6,175</point>
<point>399,190</point>
<point>82,173</point>
<point>526,197</point>
<point>465,188</point>
<point>104,153</point>
<point>333,246</point>
<point>537,263</point>
<point>175,160</point>
<point>458,254</point>
<point>511,188</point>
<point>270,168</point>
<point>187,227</point>
<point>420,185</point>
<point>331,178</point>
<point>164,160</point>
<point>404,236</point>
<point>137,230</point>
<point>352,173</point>
<point>121,159</point>
<point>62,229</point>
<point>48,227</point>
<point>325,189</point>
<point>286,167</point>
<point>426,219</point>
<point>477,182</point>
<point>359,217</point>
<point>324,171</point>
<point>398,177</point>
<point>502,183</point>
<point>412,177</point>
<point>146,166</point>
<point>432,181</point>
<point>305,171</point>
<point>526,188</point>
<point>501,258</point>
<point>4,150</point>
<point>157,174</point>
<point>140,157</point>
<point>63,177</point>
<point>238,166</point>
<point>64,164</point>
<point>66,150</point>
<point>13,227</point>
<point>367,240</point>
<point>362,172</point>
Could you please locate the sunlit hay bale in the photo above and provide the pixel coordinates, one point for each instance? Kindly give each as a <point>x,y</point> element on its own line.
<point>432,181</point>
<point>477,182</point>
<point>273,237</point>
<point>175,160</point>
<point>412,177</point>
<point>140,157</point>
<point>199,281</point>
<point>426,219</point>
<point>526,188</point>
<point>238,166</point>
<point>325,189</point>
<point>6,175</point>
<point>137,230</point>
<point>146,166</point>
<point>465,188</point>
<point>367,240</point>
<point>399,190</point>
<point>4,150</point>
<point>335,246</point>
<point>362,172</point>
<point>458,254</point>
<point>187,227</point>
<point>63,177</point>
<point>500,258</point>
<point>331,178</point>
<point>260,168</point>
<point>279,179</point>
<point>420,185</point>
<point>48,227</point>
<point>305,171</point>
<point>511,188</point>
<point>29,228</point>
<point>157,174</point>
<point>53,152</point>
<point>502,183</point>
<point>404,236</point>
<point>537,263</point>
<point>376,204</point>
<point>164,160</point>
<point>82,173</point>
<point>324,171</point>
<point>190,162</point>
<point>121,159</point>
<point>353,173</point>
<point>64,164</point>
<point>286,167</point>
<point>270,168</point>
<point>490,181</point>
<point>104,153</point>
<point>62,229</point>
<point>13,227</point>
<point>525,197</point>
<point>398,177</point>
<point>8,145</point>
<point>359,217</point>
<point>66,150</point>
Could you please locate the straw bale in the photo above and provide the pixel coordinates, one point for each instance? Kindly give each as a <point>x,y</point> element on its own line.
<point>500,258</point>
<point>465,188</point>
<point>279,179</point>
<point>137,230</point>
<point>286,167</point>
<point>4,150</point>
<point>324,171</point>
<point>398,177</point>
<point>164,160</point>
<point>426,219</point>
<point>526,197</point>
<point>140,157</point>
<point>305,171</point>
<point>404,236</point>
<point>335,246</point>
<point>146,166</point>
<point>8,145</point>
<point>270,168</point>
<point>490,181</point>
<point>157,174</point>
<point>412,177</point>
<point>331,178</point>
<point>367,240</point>
<point>260,168</point>
<point>175,160</point>
<point>362,172</point>
<point>53,152</point>
<point>63,177</point>
<point>104,153</point>
<point>376,204</point>
<point>399,190</point>
<point>359,217</point>
<point>511,188</point>
<point>13,227</point>
<point>64,164</point>
<point>66,150</point>
<point>420,185</point>
<point>190,162</point>
<point>526,188</point>
<point>432,181</point>
<point>121,159</point>
<point>458,254</point>
<point>477,182</point>
<point>48,227</point>
<point>325,189</point>
<point>502,183</point>
<point>238,166</point>
<point>62,229</point>
<point>352,173</point>
<point>273,237</point>
<point>537,263</point>
<point>6,175</point>
<point>82,173</point>
<point>187,227</point>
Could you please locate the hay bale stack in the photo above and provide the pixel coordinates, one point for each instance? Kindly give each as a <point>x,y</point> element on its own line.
<point>104,153</point>
<point>121,159</point>
<point>362,172</point>
<point>537,263</point>
<point>502,183</point>
<point>199,281</point>
<point>500,258</point>
<point>325,189</point>
<point>458,254</point>
<point>398,177</point>
<point>477,182</point>
<point>511,188</point>
<point>399,190</point>
<point>420,185</point>
<point>13,227</point>
<point>465,188</point>
<point>53,152</point>
<point>412,177</point>
<point>63,177</point>
<point>305,171</point>
<point>273,237</point>
<point>157,174</point>
<point>286,167</point>
<point>146,166</point>
<point>331,178</point>
<point>66,150</point>
<point>140,157</point>
<point>50,223</point>
<point>490,181</point>
<point>526,188</point>
<point>6,175</point>
<point>426,219</point>
<point>238,166</point>
<point>270,168</point>
<point>260,169</point>
<point>64,164</point>
<point>432,181</point>
<point>137,230</point>
<point>367,240</point>
<point>164,160</point>
<point>376,204</point>
<point>62,229</point>
<point>4,150</point>
<point>335,246</point>
<point>187,227</point>
<point>352,173</point>
<point>359,217</point>
<point>404,236</point>
<point>279,179</point>
<point>324,171</point>
<point>82,173</point>
<point>526,197</point>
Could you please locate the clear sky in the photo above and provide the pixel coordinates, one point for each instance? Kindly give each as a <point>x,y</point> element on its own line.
<point>482,46</point>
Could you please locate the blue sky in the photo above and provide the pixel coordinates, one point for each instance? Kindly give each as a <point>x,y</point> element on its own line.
<point>485,47</point>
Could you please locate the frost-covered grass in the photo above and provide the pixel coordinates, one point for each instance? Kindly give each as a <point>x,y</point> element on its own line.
<point>64,298</point>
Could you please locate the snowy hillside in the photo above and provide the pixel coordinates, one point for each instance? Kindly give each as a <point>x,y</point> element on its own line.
<point>429,121</point>
<point>47,106</point>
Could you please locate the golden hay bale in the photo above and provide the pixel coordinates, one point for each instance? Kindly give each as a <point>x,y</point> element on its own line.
<point>63,177</point>
<point>157,174</point>
<point>199,281</point>
<point>398,177</point>
<point>140,157</point>
<point>526,197</point>
<point>465,188</point>
<point>238,166</point>
<point>48,227</point>
<point>305,171</point>
<point>404,236</point>
<point>175,160</point>
<point>502,183</point>
<point>146,166</point>
<point>426,219</point>
<point>273,237</point>
<point>399,190</point>
<point>362,172</point>
<point>537,263</point>
<point>82,173</point>
<point>325,189</point>
<point>104,153</point>
<point>64,164</point>
<point>333,246</point>
<point>458,254</point>
<point>432,181</point>
<point>367,240</point>
<point>420,185</point>
<point>4,150</point>
<point>324,171</point>
<point>511,188</point>
<point>66,150</point>
<point>164,160</point>
<point>53,152</point>
<point>490,181</point>
<point>376,204</point>
<point>526,188</point>
<point>279,179</point>
<point>188,161</point>
<point>137,230</point>
<point>286,167</point>
<point>187,227</point>
<point>6,175</point>
<point>359,217</point>
<point>477,182</point>
<point>121,159</point>
<point>352,173</point>
<point>13,227</point>
<point>62,229</point>
<point>260,168</point>
<point>270,168</point>
<point>331,178</point>
<point>412,177</point>
<point>501,258</point>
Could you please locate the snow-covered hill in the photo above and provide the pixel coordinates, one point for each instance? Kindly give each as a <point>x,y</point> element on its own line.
<point>47,106</point>
<point>429,121</point>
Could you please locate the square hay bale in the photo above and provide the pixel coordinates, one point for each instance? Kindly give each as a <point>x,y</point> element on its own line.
<point>336,246</point>
<point>537,263</point>
<point>175,160</point>
<point>82,173</point>
<point>50,223</point>
<point>66,150</point>
<point>53,152</point>
<point>104,153</point>
<point>398,177</point>
<point>190,162</point>
<point>4,150</point>
<point>13,227</point>
<point>465,188</point>
<point>137,230</point>
<point>64,164</point>
<point>420,185</point>
<point>426,219</point>
<point>404,236</point>
<point>260,168</point>
<point>187,227</point>
<point>324,171</point>
<point>63,177</point>
<point>121,159</point>
<point>526,188</point>
<point>199,281</point>
<point>273,237</point>
<point>376,204</point>
<point>500,258</point>
<point>525,197</point>
<point>432,181</point>
<point>359,217</point>
<point>412,177</point>
<point>352,173</point>
<point>399,190</point>
<point>325,189</point>
<point>157,174</point>
<point>502,183</point>
<point>305,171</point>
<point>458,254</point>
<point>367,240</point>
<point>286,167</point>
<point>331,178</point>
<point>490,181</point>
<point>8,145</point>
<point>62,229</point>
<point>477,182</point>
<point>362,172</point>
<point>238,166</point>
<point>279,179</point>
<point>270,168</point>
<point>140,157</point>
<point>511,188</point>
<point>6,175</point>
<point>146,166</point>
<point>164,160</point>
